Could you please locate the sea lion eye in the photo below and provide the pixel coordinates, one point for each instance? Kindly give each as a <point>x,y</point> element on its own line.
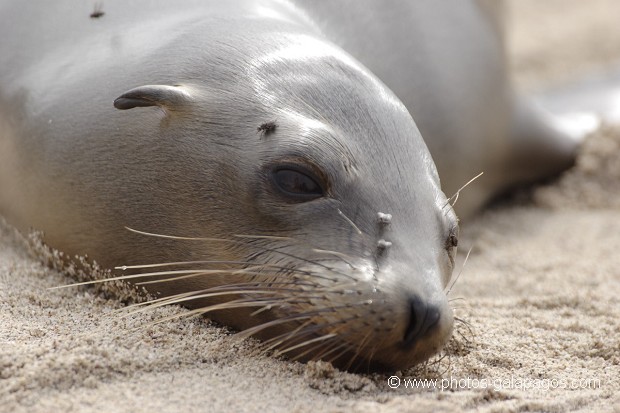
<point>452,241</point>
<point>296,183</point>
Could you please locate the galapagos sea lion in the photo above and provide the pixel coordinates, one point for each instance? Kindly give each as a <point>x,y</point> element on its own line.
<point>290,188</point>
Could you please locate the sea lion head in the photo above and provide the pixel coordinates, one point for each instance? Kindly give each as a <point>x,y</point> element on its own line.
<point>305,182</point>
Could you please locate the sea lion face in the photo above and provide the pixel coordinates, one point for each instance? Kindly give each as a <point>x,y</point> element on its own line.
<point>324,193</point>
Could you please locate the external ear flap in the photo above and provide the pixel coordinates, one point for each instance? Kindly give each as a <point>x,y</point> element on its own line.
<point>153,95</point>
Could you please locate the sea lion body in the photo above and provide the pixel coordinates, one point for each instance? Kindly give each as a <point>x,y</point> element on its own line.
<point>331,221</point>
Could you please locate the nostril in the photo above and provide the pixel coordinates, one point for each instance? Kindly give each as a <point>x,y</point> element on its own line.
<point>422,318</point>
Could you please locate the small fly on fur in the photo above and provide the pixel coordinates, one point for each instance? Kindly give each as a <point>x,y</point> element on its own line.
<point>98,12</point>
<point>267,128</point>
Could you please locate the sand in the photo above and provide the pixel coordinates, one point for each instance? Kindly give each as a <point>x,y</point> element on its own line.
<point>540,295</point>
<point>553,42</point>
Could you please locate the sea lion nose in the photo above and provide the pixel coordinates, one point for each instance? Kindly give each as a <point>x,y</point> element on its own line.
<point>423,318</point>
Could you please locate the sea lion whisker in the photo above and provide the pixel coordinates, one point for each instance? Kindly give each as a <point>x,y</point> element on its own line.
<point>448,366</point>
<point>305,343</point>
<point>294,300</point>
<point>200,273</point>
<point>460,320</point>
<point>281,299</point>
<point>314,262</point>
<point>457,193</point>
<point>465,330</point>
<point>256,266</point>
<point>280,338</point>
<point>248,332</point>
<point>343,257</point>
<point>347,347</point>
<point>152,301</point>
<point>336,344</point>
<point>168,264</point>
<point>287,270</point>
<point>371,354</point>
<point>174,237</point>
<point>329,346</point>
<point>314,249</point>
<point>181,315</point>
<point>464,337</point>
<point>178,300</point>
<point>282,270</point>
<point>190,274</point>
<point>306,272</point>
<point>346,218</point>
<point>332,309</point>
<point>339,255</point>
<point>262,283</point>
<point>222,306</point>
<point>360,362</point>
<point>273,237</point>
<point>224,287</point>
<point>193,273</point>
<point>303,330</point>
<point>122,277</point>
<point>324,277</point>
<point>260,310</point>
<point>461,270</point>
<point>360,347</point>
<point>308,314</point>
<point>178,316</point>
<point>177,237</point>
<point>467,324</point>
<point>436,360</point>
<point>439,359</point>
<point>320,345</point>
